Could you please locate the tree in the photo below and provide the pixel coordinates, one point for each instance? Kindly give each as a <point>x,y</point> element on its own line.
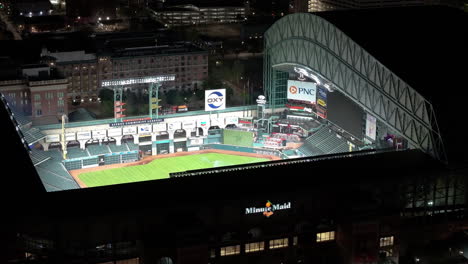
<point>107,109</point>
<point>212,82</point>
<point>200,94</point>
<point>237,71</point>
<point>107,103</point>
<point>174,98</point>
<point>106,95</point>
<point>132,104</point>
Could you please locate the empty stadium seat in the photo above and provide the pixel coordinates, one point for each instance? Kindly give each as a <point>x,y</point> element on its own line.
<point>54,176</point>
<point>115,149</point>
<point>132,146</point>
<point>95,150</point>
<point>75,152</point>
<point>38,156</point>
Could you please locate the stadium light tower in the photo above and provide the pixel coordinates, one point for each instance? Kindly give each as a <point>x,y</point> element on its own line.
<point>118,103</point>
<point>261,103</point>
<point>154,99</point>
<point>64,145</point>
<point>117,85</point>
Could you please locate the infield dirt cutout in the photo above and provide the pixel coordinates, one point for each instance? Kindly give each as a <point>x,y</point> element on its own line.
<point>76,173</point>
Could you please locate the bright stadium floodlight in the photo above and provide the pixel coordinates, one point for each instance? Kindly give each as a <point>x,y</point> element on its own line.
<point>328,87</point>
<point>305,72</point>
<point>149,79</point>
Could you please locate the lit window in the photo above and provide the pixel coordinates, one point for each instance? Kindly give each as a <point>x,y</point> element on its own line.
<point>253,247</point>
<point>325,236</point>
<point>213,253</point>
<point>386,241</point>
<point>230,250</point>
<point>279,243</point>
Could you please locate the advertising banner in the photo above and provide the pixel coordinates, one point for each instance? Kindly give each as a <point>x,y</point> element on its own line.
<point>83,135</point>
<point>129,130</point>
<point>302,91</point>
<point>174,126</point>
<point>295,107</point>
<point>159,127</point>
<point>137,121</point>
<point>70,136</point>
<point>371,125</point>
<point>232,120</point>
<point>215,100</point>
<point>97,134</point>
<point>322,102</point>
<point>203,123</point>
<point>114,132</point>
<point>322,93</point>
<point>196,141</point>
<point>216,121</point>
<point>145,129</point>
<point>321,112</point>
<point>189,125</point>
<point>53,138</point>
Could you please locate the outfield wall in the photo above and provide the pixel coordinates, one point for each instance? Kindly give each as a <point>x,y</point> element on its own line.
<point>100,160</point>
<point>238,138</point>
<point>245,150</point>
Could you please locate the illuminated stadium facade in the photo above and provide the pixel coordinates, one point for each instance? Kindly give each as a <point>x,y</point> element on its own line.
<point>340,162</point>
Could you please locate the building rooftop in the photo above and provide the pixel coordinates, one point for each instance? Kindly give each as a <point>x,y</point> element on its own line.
<point>155,50</point>
<point>207,3</point>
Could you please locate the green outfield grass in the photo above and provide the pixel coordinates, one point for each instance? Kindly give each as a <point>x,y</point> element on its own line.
<point>160,168</point>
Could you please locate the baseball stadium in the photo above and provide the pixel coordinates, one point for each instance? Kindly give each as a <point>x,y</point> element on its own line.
<point>325,97</point>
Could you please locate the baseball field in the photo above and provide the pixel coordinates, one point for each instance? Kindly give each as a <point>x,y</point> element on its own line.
<point>160,168</point>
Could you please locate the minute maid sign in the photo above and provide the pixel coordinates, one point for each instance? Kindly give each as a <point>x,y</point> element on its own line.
<point>269,208</point>
<point>215,99</point>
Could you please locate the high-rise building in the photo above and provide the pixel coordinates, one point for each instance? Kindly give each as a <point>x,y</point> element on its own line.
<point>117,56</point>
<point>189,14</point>
<point>328,5</point>
<point>90,9</point>
<point>38,93</point>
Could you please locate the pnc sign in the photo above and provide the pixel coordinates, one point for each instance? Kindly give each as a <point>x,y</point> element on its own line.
<point>215,100</point>
<point>302,91</point>
<point>269,208</point>
<point>293,89</point>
